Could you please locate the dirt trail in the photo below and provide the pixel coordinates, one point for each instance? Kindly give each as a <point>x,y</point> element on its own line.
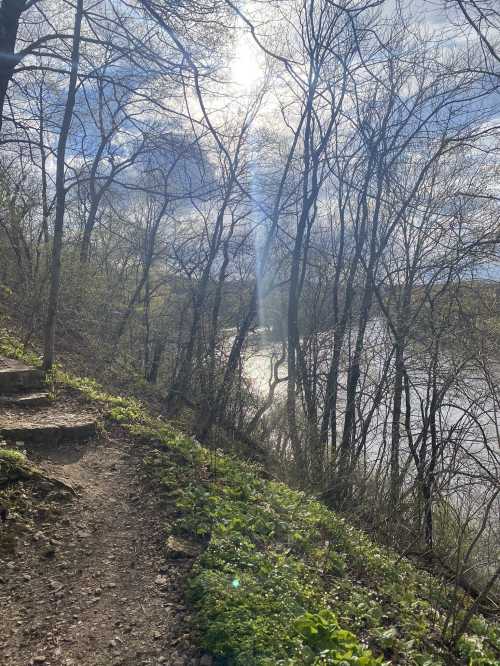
<point>89,586</point>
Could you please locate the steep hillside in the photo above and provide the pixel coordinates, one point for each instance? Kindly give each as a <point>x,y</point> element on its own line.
<point>277,577</point>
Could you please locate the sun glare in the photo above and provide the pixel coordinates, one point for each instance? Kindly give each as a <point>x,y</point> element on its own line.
<point>246,67</point>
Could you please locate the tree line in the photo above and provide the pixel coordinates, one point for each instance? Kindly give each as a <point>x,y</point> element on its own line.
<point>332,222</point>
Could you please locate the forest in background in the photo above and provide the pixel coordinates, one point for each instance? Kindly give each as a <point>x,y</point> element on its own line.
<point>186,185</point>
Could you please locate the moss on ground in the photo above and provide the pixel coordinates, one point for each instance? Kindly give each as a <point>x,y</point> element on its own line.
<point>13,466</point>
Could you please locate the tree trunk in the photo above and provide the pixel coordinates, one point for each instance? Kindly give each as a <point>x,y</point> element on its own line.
<point>154,368</point>
<point>396,426</point>
<point>345,461</point>
<point>224,391</point>
<point>10,13</point>
<point>55,282</point>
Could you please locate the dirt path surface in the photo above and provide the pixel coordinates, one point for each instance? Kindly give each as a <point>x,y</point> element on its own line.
<point>84,581</point>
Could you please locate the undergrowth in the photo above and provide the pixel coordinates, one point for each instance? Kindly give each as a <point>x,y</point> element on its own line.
<point>285,581</point>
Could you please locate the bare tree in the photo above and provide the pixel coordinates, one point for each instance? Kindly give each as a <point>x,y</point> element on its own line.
<point>50,326</point>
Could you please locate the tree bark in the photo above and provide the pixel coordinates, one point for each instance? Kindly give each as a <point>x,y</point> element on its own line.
<point>10,13</point>
<point>55,282</point>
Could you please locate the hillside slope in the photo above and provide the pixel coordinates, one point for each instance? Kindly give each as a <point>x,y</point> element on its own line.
<point>280,579</point>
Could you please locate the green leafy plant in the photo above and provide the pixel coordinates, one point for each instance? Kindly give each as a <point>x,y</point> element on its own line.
<point>325,642</point>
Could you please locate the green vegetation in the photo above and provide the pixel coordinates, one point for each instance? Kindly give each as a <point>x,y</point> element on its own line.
<point>13,466</point>
<point>282,579</point>
<point>11,347</point>
<point>11,457</point>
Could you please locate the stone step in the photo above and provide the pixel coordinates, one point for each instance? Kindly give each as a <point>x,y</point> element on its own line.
<point>26,399</point>
<point>47,425</point>
<point>16,376</point>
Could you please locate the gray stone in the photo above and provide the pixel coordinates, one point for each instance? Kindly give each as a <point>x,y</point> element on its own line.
<point>180,548</point>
